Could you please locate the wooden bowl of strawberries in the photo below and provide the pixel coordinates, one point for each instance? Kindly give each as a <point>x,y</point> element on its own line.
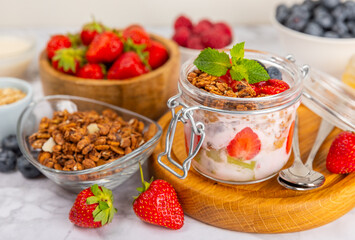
<point>128,68</point>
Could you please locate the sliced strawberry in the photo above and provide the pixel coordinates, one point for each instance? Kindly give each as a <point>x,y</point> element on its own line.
<point>245,145</point>
<point>289,138</point>
<point>183,21</point>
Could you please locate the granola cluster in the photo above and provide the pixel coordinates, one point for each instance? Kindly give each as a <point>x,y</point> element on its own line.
<point>215,85</point>
<point>10,95</point>
<point>83,140</point>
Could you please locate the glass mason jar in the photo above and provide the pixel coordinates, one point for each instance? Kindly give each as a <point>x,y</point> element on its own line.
<point>215,126</point>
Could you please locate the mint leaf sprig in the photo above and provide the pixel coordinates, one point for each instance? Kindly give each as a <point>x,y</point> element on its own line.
<point>218,63</point>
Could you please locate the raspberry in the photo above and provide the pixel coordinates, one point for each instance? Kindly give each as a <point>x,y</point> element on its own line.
<point>202,26</point>
<point>224,28</point>
<point>183,21</point>
<point>215,38</point>
<point>194,42</point>
<point>181,36</point>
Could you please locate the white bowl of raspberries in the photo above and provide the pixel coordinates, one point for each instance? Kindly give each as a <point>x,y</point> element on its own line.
<point>192,38</point>
<point>320,33</point>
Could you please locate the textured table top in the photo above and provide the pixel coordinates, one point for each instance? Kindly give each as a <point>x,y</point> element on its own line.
<point>38,209</point>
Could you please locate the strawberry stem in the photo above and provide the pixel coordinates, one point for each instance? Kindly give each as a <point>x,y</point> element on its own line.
<point>145,185</point>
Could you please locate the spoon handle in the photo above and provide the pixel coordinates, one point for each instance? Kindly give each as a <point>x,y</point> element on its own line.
<point>295,143</point>
<point>324,130</point>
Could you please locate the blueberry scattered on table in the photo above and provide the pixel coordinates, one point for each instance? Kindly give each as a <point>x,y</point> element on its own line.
<point>26,168</point>
<point>10,143</point>
<point>274,73</point>
<point>7,160</point>
<point>325,18</point>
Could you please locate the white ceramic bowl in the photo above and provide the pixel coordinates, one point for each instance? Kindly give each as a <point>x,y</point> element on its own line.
<point>10,113</point>
<point>330,55</point>
<point>16,53</point>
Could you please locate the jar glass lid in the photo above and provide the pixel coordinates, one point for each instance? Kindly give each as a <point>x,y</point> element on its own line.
<point>331,99</point>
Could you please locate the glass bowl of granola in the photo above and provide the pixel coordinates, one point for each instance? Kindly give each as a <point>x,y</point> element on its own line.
<point>236,132</point>
<point>77,142</point>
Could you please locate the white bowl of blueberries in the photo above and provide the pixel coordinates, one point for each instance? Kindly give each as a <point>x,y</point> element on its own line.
<point>320,33</point>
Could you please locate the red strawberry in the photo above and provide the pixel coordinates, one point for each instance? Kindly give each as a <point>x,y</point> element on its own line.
<point>128,65</point>
<point>93,207</point>
<point>105,48</point>
<point>270,87</point>
<point>91,71</point>
<point>181,36</point>
<point>57,42</point>
<point>215,38</point>
<point>289,138</point>
<point>137,34</point>
<point>227,78</point>
<point>90,31</point>
<point>194,42</point>
<point>183,21</point>
<point>157,54</point>
<point>278,83</point>
<point>245,145</point>
<point>68,60</point>
<point>341,155</point>
<point>202,26</point>
<point>158,204</point>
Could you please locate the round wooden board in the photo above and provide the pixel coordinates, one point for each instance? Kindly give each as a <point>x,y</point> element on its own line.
<point>263,207</point>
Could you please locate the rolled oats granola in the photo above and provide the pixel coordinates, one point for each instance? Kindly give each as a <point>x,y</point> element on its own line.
<point>10,95</point>
<point>83,140</point>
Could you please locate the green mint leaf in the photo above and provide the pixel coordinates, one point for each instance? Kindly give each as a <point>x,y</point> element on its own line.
<point>256,72</point>
<point>237,52</point>
<point>239,72</point>
<point>213,62</point>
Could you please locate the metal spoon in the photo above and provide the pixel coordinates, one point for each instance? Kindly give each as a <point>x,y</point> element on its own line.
<point>299,176</point>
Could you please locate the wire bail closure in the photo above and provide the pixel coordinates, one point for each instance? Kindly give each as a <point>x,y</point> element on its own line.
<point>198,129</point>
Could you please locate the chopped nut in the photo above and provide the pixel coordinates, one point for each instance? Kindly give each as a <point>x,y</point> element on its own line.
<point>88,163</point>
<point>125,142</point>
<point>93,128</point>
<point>48,145</point>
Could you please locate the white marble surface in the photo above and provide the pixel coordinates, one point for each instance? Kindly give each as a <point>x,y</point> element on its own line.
<point>38,209</point>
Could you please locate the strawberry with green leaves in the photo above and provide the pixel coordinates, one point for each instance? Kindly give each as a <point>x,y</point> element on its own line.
<point>92,71</point>
<point>158,204</point>
<point>57,42</point>
<point>68,60</point>
<point>128,65</point>
<point>105,48</point>
<point>341,155</point>
<point>137,34</point>
<point>90,31</point>
<point>93,207</point>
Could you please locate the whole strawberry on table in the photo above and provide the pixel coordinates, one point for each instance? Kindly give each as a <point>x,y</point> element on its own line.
<point>98,52</point>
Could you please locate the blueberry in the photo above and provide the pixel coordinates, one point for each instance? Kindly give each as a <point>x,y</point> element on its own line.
<point>340,28</point>
<point>7,160</point>
<point>320,9</point>
<point>314,28</point>
<point>330,3</point>
<point>301,10</point>
<point>340,13</point>
<point>324,19</point>
<point>347,35</point>
<point>282,12</point>
<point>26,168</point>
<point>309,4</point>
<point>351,27</point>
<point>10,143</point>
<point>296,22</point>
<point>331,34</point>
<point>274,73</point>
<point>350,7</point>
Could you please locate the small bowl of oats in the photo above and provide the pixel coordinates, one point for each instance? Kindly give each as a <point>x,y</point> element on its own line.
<point>77,142</point>
<point>15,96</point>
